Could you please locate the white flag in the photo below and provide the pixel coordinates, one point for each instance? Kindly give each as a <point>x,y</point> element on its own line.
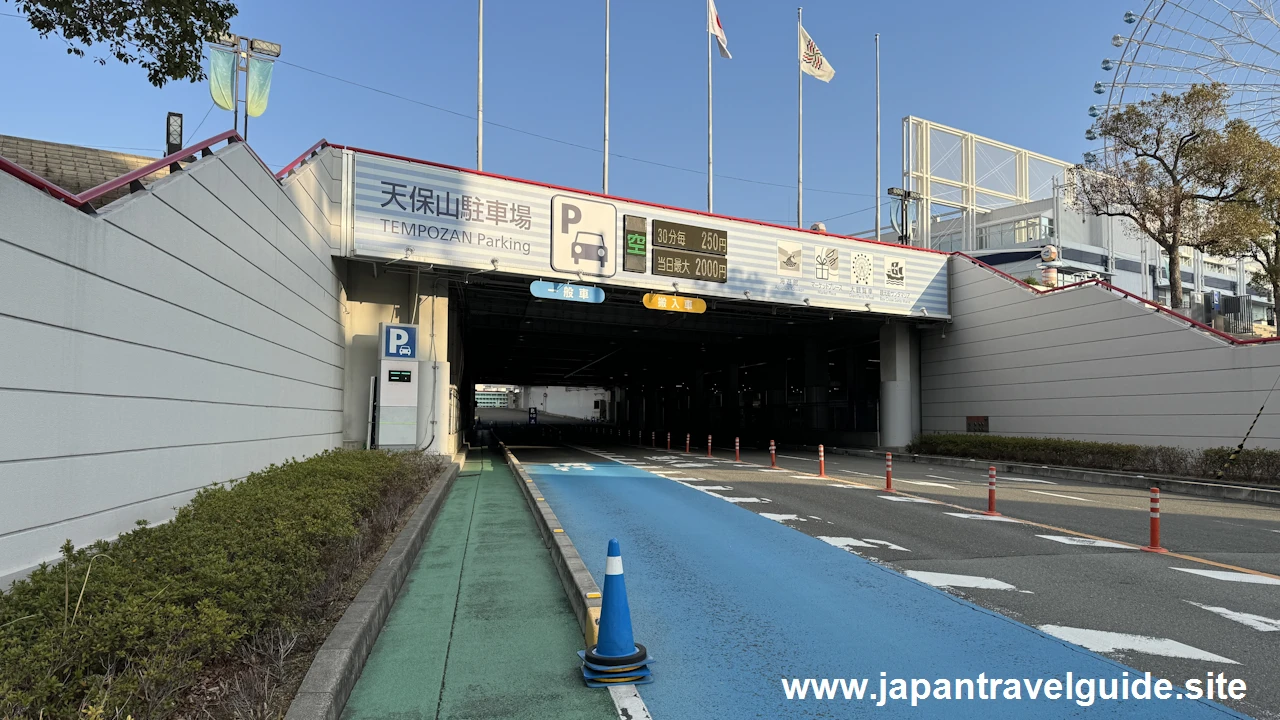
<point>715,28</point>
<point>811,60</point>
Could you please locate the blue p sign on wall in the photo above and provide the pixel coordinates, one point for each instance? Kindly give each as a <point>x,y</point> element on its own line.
<point>399,342</point>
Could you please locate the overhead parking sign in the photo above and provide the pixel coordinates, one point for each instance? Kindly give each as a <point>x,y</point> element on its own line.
<point>399,342</point>
<point>584,236</point>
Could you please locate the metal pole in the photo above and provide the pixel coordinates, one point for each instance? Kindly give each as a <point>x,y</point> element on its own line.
<point>710,174</point>
<point>799,128</point>
<point>606,97</point>
<point>878,138</point>
<point>480,89</point>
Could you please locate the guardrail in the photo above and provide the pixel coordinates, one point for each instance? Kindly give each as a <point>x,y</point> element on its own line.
<point>132,179</point>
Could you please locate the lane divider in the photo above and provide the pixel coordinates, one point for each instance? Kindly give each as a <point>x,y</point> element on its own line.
<point>1055,528</point>
<point>888,472</point>
<point>1154,545</point>
<point>991,492</point>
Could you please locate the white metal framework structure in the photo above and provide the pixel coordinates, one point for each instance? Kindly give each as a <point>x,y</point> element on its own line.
<point>1174,44</point>
<point>961,176</point>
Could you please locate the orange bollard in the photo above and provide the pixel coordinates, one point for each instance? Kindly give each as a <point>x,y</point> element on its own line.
<point>888,472</point>
<point>737,452</point>
<point>653,438</point>
<point>991,491</point>
<point>668,441</point>
<point>822,462</point>
<point>686,441</point>
<point>708,446</point>
<point>1155,523</point>
<point>773,454</point>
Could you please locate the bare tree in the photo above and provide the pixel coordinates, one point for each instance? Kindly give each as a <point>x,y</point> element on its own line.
<point>1169,161</point>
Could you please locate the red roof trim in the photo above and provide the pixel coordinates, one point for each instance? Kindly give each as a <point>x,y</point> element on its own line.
<point>1108,286</point>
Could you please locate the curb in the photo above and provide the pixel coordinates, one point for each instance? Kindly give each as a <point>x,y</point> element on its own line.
<point>1245,493</point>
<point>336,667</point>
<point>579,586</point>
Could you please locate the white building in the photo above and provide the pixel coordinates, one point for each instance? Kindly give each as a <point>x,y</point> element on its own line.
<point>1002,204</point>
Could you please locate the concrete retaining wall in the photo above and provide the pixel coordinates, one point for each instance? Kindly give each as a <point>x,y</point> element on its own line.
<point>188,335</point>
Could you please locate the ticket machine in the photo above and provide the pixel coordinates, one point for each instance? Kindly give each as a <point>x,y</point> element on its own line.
<point>396,421</point>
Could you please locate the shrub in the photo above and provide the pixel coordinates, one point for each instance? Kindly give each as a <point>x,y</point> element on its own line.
<point>127,625</point>
<point>1253,465</point>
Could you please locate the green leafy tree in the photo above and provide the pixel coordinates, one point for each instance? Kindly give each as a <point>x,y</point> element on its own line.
<point>1250,228</point>
<point>164,37</point>
<point>1169,161</point>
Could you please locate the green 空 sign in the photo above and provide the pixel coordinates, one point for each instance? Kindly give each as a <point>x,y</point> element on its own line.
<point>636,243</point>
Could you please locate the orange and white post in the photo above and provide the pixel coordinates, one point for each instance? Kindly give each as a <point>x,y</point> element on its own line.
<point>687,438</point>
<point>773,454</point>
<point>653,438</point>
<point>888,472</point>
<point>991,491</point>
<point>822,462</point>
<point>737,452</point>
<point>708,446</point>
<point>668,440</point>
<point>1155,523</point>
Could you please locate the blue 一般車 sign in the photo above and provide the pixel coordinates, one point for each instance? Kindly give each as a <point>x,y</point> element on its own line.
<point>565,291</point>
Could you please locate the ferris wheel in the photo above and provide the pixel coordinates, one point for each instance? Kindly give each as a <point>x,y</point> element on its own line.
<point>1174,44</point>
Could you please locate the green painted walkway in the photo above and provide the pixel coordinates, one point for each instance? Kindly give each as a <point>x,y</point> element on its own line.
<point>482,628</point>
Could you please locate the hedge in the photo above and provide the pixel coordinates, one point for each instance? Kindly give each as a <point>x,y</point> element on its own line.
<point>1252,465</point>
<point>124,627</point>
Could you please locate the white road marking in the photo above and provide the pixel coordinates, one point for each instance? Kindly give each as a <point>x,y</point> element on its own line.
<point>1072,540</point>
<point>939,477</point>
<point>739,499</point>
<point>793,457</point>
<point>627,701</point>
<point>1230,576</point>
<point>705,488</point>
<point>848,486</point>
<point>926,483</point>
<point>1257,622</point>
<point>958,581</point>
<point>845,543</point>
<point>776,517</point>
<point>899,498</point>
<point>1069,497</point>
<point>979,516</point>
<point>855,472</point>
<point>802,477</point>
<point>886,544</point>
<point>815,517</point>
<point>1102,641</point>
<point>689,465</point>
<point>772,470</point>
<point>1014,479</point>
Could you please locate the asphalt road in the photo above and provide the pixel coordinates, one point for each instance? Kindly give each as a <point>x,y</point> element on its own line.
<point>1211,605</point>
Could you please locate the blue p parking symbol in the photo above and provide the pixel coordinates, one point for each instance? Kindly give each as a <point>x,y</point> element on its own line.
<point>400,341</point>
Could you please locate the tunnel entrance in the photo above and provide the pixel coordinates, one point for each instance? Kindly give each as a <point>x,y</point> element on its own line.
<point>746,369</point>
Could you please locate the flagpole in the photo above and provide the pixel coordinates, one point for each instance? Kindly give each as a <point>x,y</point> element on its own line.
<point>480,89</point>
<point>606,97</point>
<point>710,174</point>
<point>800,126</point>
<point>877,136</point>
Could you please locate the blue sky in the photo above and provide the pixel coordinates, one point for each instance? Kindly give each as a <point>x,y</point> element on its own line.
<point>1019,72</point>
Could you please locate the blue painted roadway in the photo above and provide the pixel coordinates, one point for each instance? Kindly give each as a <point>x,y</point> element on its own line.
<point>730,603</point>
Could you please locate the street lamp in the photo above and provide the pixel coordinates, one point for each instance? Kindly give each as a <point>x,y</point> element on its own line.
<point>903,225</point>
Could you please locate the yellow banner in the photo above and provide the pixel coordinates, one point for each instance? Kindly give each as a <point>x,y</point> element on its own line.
<point>675,303</point>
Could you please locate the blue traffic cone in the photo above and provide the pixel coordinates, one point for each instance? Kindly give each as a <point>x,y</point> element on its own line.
<point>616,658</point>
